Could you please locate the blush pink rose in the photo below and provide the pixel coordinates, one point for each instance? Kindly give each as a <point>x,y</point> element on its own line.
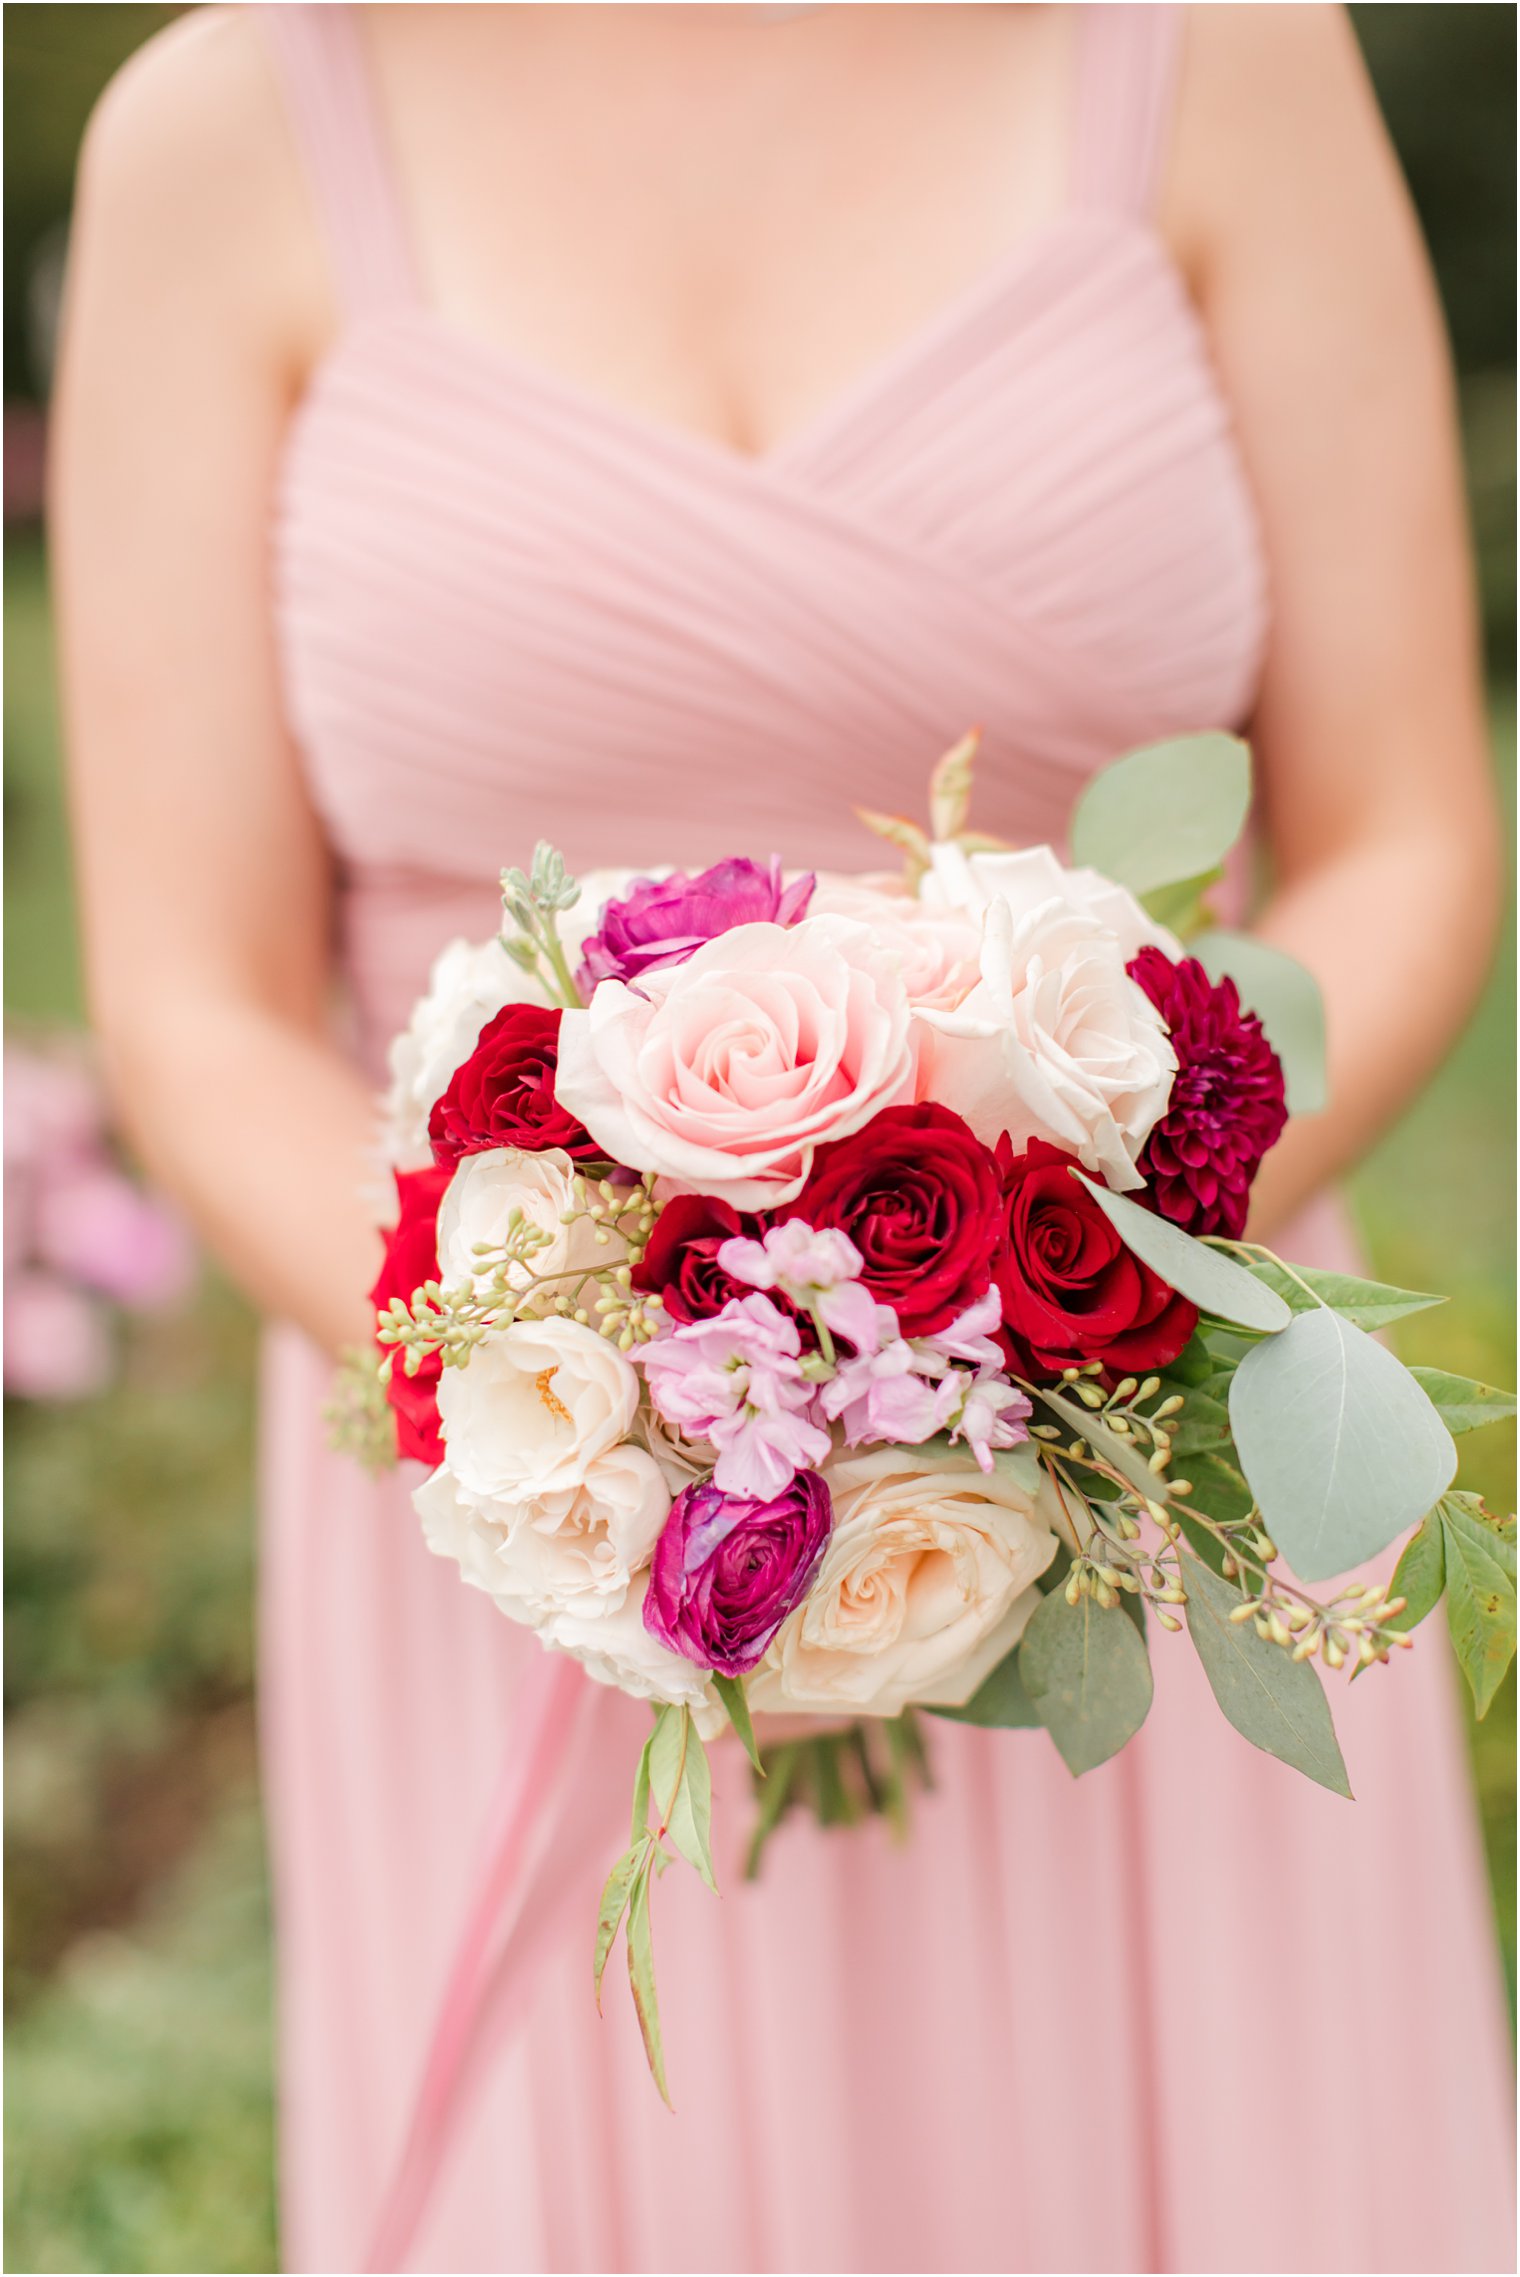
<point>724,1074</point>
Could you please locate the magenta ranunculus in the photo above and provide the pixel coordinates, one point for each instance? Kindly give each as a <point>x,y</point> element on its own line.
<point>728,1568</point>
<point>662,920</point>
<point>1227,1107</point>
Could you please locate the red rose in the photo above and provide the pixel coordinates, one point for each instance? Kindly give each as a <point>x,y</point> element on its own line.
<point>681,1261</point>
<point>411,1257</point>
<point>1071,1291</point>
<point>919,1195</point>
<point>504,1093</point>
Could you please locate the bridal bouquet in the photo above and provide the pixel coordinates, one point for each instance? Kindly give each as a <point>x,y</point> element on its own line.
<point>829,1297</point>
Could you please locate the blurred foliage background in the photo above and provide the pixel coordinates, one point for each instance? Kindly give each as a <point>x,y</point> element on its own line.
<point>137,1968</point>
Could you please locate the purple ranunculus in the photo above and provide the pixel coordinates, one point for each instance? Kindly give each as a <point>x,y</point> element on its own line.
<point>728,1568</point>
<point>663,920</point>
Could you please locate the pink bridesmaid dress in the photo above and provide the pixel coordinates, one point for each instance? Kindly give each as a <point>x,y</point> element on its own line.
<point>1190,2013</point>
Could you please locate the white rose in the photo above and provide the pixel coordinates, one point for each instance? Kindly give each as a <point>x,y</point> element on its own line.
<point>533,1408</point>
<point>469,985</point>
<point>726,1072</point>
<point>926,1584</point>
<point>935,950</point>
<point>485,1190</point>
<point>1056,1042</point>
<point>1028,876</point>
<point>573,1551</point>
<point>617,1649</point>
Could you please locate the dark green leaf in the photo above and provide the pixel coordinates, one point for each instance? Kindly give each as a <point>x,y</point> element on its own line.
<point>614,1905</point>
<point>1001,1702</point>
<point>1462,1404</point>
<point>1420,1575</point>
<point>1088,1675</point>
<point>1274,1701</point>
<point>641,1977</point>
<point>1341,1447</point>
<point>1480,1593</point>
<point>730,1690</point>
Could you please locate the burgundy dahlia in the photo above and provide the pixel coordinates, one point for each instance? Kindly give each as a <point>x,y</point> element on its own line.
<point>663,921</point>
<point>504,1095</point>
<point>1227,1107</point>
<point>728,1568</point>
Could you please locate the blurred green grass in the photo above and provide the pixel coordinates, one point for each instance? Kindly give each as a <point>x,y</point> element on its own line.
<point>138,2080</point>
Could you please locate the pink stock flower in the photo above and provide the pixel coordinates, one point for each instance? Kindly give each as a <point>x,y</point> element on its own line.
<point>882,1396</point>
<point>994,1414</point>
<point>736,1379</point>
<point>817,1271</point>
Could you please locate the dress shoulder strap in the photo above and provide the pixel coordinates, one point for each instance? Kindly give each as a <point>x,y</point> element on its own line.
<point>319,56</point>
<point>1127,67</point>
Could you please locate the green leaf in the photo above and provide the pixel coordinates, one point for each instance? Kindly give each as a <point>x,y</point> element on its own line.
<point>1088,1675</point>
<point>1274,1701</point>
<point>1000,1703</point>
<point>1462,1404</point>
<point>1213,1282</point>
<point>1371,1304</point>
<point>730,1690</point>
<point>615,1896</point>
<point>1166,813</point>
<point>1181,907</point>
<point>780,1772</point>
<point>641,1976</point>
<point>1480,1593</point>
<point>1420,1574</point>
<point>1341,1447</point>
<point>680,1784</point>
<point>1286,999</point>
<point>641,1788</point>
<point>1122,1454</point>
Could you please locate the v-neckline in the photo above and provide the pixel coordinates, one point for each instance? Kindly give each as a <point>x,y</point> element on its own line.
<point>915,352</point>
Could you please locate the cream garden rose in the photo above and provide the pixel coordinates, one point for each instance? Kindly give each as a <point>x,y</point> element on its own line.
<point>1055,1042</point>
<point>926,1584</point>
<point>723,1074</point>
<point>482,1195</point>
<point>533,1408</point>
<point>1027,877</point>
<point>574,1551</point>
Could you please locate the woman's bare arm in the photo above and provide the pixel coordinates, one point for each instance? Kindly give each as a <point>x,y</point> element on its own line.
<point>192,307</point>
<point>1374,773</point>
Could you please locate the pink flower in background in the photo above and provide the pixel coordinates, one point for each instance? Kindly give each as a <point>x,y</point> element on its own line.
<point>79,1234</point>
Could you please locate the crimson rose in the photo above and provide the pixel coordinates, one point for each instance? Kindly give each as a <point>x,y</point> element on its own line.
<point>504,1093</point>
<point>919,1195</point>
<point>680,1264</point>
<point>1071,1291</point>
<point>411,1257</point>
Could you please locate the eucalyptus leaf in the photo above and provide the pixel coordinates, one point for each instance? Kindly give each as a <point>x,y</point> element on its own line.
<point>1462,1404</point>
<point>1371,1304</point>
<point>1122,1454</point>
<point>1340,1446</point>
<point>1181,908</point>
<point>615,1895</point>
<point>1213,1282</point>
<point>1087,1672</point>
<point>1166,813</point>
<point>1480,1593</point>
<point>641,1976</point>
<point>681,1786</point>
<point>1274,1701</point>
<point>730,1690</point>
<point>1000,1703</point>
<point>1420,1575</point>
<point>1285,997</point>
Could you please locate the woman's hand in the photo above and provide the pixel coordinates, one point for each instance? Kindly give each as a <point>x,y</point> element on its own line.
<point>1286,206</point>
<point>193,311</point>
